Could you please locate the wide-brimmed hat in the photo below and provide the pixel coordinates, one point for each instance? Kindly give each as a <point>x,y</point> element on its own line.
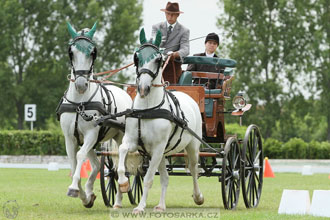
<point>172,8</point>
<point>212,36</point>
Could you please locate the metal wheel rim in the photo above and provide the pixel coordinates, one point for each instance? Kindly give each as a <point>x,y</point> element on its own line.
<point>252,167</point>
<point>108,181</point>
<point>230,175</point>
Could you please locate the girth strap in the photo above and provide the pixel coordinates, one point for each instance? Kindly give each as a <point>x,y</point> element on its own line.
<point>159,113</point>
<point>68,107</point>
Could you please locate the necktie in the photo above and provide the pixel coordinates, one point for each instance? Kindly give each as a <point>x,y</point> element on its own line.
<point>169,31</point>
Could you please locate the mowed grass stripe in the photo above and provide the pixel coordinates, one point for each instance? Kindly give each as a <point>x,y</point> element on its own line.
<point>41,194</point>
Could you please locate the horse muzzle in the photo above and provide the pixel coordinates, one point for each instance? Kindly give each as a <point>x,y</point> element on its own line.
<point>143,90</point>
<point>81,84</point>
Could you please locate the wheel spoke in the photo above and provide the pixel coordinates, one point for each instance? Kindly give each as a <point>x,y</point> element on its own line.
<point>229,192</point>
<point>229,172</point>
<point>236,162</point>
<point>256,194</point>
<point>234,194</point>
<point>257,157</point>
<point>109,193</point>
<point>257,178</point>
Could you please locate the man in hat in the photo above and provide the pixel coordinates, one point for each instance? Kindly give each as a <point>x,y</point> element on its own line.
<point>211,44</point>
<point>175,38</point>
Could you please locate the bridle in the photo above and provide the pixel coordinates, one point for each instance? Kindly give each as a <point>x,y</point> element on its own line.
<point>145,70</point>
<point>82,73</point>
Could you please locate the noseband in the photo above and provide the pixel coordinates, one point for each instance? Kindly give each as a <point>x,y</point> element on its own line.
<point>145,70</point>
<point>82,73</point>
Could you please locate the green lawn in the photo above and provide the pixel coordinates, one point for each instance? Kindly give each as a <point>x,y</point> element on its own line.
<point>41,194</point>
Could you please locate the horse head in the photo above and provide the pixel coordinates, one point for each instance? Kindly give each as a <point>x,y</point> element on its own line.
<point>148,60</point>
<point>82,52</point>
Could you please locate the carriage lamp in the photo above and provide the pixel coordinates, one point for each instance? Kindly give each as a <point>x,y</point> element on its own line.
<point>239,101</point>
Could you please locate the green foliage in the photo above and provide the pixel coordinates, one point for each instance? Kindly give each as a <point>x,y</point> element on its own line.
<point>273,148</point>
<point>236,129</point>
<point>295,148</point>
<point>34,62</point>
<point>31,143</point>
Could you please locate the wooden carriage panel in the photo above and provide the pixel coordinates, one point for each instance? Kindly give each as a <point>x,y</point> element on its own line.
<point>195,92</point>
<point>207,75</point>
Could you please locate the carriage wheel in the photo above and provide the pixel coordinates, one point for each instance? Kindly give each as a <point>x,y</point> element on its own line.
<point>136,190</point>
<point>231,174</point>
<point>252,167</point>
<point>108,180</point>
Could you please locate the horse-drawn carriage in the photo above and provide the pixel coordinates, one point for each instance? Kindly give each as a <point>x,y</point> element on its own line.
<point>234,161</point>
<point>169,110</point>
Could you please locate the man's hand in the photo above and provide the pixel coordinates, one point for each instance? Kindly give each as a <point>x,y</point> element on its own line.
<point>174,55</point>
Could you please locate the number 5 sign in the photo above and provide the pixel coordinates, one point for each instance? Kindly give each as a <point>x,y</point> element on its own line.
<point>30,112</point>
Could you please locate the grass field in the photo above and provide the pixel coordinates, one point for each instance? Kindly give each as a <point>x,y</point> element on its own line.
<point>41,194</point>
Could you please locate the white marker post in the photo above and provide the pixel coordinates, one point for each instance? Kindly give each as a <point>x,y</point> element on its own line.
<point>30,113</point>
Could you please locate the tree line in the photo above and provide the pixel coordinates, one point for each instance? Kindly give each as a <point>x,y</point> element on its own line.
<point>283,54</point>
<point>34,62</point>
<point>281,47</point>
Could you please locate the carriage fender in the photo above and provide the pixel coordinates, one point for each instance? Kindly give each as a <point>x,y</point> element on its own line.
<point>240,112</point>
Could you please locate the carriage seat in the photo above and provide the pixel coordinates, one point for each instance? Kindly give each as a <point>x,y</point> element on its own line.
<point>209,101</point>
<point>185,79</point>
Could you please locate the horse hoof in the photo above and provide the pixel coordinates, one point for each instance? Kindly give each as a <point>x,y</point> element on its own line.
<point>124,188</point>
<point>117,207</point>
<point>199,200</point>
<point>159,209</point>
<point>137,211</point>
<point>73,193</point>
<point>91,202</point>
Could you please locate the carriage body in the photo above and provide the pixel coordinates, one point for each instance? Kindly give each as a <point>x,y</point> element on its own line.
<point>236,162</point>
<point>211,101</point>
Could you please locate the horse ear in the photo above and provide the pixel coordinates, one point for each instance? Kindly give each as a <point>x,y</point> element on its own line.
<point>90,33</point>
<point>143,39</point>
<point>71,30</point>
<point>158,39</point>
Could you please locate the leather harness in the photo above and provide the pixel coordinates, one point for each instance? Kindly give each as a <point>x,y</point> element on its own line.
<point>81,107</point>
<point>176,117</point>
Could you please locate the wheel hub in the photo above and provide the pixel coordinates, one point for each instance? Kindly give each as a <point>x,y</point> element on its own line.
<point>236,174</point>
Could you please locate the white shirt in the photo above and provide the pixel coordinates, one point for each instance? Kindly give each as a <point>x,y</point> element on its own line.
<point>173,25</point>
<point>209,55</point>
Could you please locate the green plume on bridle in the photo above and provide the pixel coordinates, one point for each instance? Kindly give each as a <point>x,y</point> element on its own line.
<point>148,53</point>
<point>83,45</point>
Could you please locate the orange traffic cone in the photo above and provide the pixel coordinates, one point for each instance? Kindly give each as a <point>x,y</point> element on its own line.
<point>268,169</point>
<point>83,171</point>
<point>88,166</point>
<point>98,175</point>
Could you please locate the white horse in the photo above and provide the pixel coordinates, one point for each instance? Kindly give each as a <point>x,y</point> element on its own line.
<point>83,101</point>
<point>152,135</point>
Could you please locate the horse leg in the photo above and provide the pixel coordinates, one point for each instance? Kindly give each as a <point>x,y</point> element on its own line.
<point>164,183</point>
<point>89,141</point>
<point>193,154</point>
<point>149,177</point>
<point>71,151</point>
<point>124,148</point>
<point>119,196</point>
<point>95,163</point>
<point>122,179</point>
